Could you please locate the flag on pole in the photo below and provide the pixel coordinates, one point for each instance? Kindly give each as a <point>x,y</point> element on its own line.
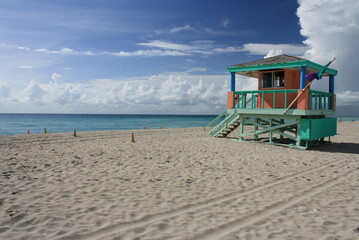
<point>312,76</point>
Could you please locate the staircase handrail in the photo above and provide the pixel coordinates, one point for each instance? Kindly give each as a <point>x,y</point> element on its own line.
<point>225,123</point>
<point>217,118</point>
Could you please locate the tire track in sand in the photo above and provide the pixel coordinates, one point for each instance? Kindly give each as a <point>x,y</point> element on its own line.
<point>233,226</point>
<point>233,196</point>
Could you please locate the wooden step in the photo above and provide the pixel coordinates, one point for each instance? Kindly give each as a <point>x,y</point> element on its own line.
<point>228,130</point>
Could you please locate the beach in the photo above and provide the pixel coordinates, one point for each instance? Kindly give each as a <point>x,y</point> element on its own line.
<point>177,184</point>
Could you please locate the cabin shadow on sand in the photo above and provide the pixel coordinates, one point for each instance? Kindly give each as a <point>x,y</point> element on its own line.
<point>344,147</point>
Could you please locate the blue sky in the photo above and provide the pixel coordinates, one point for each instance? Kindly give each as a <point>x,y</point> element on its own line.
<point>161,56</point>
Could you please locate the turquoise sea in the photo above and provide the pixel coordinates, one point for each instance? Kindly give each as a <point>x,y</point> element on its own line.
<point>35,123</point>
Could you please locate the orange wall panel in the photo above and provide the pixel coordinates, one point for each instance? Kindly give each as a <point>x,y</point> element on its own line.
<point>280,100</point>
<point>230,100</point>
<point>292,81</point>
<point>303,100</point>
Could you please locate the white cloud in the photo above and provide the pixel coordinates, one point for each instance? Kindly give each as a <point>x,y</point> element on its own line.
<point>225,22</point>
<point>65,51</point>
<point>179,29</point>
<point>56,77</point>
<point>145,53</point>
<point>204,31</point>
<point>228,50</point>
<point>166,48</point>
<point>149,53</point>
<point>13,46</point>
<point>348,98</point>
<point>163,93</point>
<point>32,93</point>
<point>332,30</point>
<point>264,48</point>
<point>274,52</point>
<point>197,69</point>
<point>201,47</point>
<point>26,67</point>
<point>203,44</point>
<point>211,31</point>
<point>59,93</point>
<point>167,45</point>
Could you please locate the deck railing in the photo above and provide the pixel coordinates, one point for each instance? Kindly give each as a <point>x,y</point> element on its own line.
<point>321,100</point>
<point>281,99</point>
<point>256,99</point>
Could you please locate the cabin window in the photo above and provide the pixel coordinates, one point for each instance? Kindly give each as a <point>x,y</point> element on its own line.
<point>273,79</point>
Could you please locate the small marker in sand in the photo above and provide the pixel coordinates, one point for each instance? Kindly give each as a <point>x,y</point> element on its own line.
<point>133,138</point>
<point>45,131</point>
<point>204,128</point>
<point>75,135</point>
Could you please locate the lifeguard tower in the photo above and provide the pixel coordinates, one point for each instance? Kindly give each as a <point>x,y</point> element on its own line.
<point>283,110</point>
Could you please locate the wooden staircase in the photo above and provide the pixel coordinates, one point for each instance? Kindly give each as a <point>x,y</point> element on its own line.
<point>228,130</point>
<point>230,122</point>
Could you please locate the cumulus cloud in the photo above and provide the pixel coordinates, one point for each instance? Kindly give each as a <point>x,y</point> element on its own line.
<point>56,77</point>
<point>274,52</point>
<point>332,30</point>
<point>176,92</point>
<point>32,93</point>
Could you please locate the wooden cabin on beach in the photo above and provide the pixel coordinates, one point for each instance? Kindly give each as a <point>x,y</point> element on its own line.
<point>283,110</point>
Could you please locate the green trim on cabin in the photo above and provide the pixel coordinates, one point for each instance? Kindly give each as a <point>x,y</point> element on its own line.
<point>319,67</point>
<point>292,64</point>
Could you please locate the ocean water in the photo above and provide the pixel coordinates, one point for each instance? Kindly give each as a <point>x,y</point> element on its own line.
<point>54,123</point>
<point>35,123</point>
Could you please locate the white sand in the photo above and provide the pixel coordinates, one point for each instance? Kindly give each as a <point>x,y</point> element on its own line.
<point>176,184</point>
